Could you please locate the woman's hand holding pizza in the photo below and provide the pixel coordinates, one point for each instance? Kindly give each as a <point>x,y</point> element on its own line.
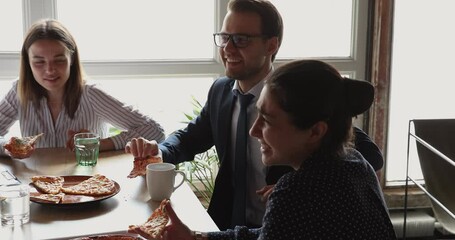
<point>21,148</point>
<point>176,229</point>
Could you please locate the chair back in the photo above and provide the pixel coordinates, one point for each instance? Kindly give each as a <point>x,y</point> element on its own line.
<point>438,173</point>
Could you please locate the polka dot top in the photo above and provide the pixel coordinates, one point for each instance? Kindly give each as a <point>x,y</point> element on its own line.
<point>324,199</point>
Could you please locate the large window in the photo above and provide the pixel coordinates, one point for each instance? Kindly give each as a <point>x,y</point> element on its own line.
<point>421,76</point>
<point>164,54</point>
<point>312,35</point>
<point>140,29</point>
<point>11,25</point>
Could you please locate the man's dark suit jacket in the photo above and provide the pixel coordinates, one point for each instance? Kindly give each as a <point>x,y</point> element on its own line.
<point>213,127</point>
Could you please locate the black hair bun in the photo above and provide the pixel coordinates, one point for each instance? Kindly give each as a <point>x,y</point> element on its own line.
<point>359,96</point>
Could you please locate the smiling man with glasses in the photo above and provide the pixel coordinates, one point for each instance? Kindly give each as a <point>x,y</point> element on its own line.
<point>248,42</point>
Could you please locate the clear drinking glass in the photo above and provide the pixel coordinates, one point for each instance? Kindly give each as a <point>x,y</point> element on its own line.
<point>87,146</point>
<point>14,204</point>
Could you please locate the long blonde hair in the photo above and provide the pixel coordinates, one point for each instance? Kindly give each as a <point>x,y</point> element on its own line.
<point>28,89</point>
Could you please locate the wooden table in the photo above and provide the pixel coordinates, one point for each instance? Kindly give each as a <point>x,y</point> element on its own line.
<point>132,205</point>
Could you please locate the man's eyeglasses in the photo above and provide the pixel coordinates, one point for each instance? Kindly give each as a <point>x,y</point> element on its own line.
<point>239,40</point>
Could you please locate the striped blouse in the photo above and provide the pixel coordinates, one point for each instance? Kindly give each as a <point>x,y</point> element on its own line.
<point>96,109</point>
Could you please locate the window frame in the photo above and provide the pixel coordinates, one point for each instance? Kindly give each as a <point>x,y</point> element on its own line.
<point>380,70</point>
<point>380,74</point>
<point>34,10</point>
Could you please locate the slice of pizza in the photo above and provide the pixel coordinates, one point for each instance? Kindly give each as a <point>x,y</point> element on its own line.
<point>48,184</point>
<point>21,147</point>
<point>53,198</point>
<point>140,165</point>
<point>96,185</point>
<point>154,227</point>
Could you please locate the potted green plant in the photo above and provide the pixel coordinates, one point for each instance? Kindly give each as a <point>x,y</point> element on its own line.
<point>201,172</point>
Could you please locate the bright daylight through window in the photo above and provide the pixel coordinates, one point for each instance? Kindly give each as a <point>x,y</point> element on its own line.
<point>11,25</point>
<point>422,75</point>
<point>313,35</point>
<point>149,30</point>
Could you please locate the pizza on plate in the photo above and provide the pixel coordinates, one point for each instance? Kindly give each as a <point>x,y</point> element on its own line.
<point>52,198</point>
<point>140,165</point>
<point>48,184</point>
<point>154,226</point>
<point>96,185</point>
<point>22,147</point>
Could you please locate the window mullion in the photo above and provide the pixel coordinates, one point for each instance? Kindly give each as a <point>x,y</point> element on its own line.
<point>132,68</point>
<point>359,37</point>
<point>220,12</point>
<point>35,10</point>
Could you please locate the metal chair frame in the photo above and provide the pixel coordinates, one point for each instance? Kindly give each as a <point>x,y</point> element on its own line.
<point>420,186</point>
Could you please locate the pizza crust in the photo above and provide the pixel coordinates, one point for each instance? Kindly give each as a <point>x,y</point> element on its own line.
<point>48,184</point>
<point>97,185</point>
<point>140,166</point>
<point>153,228</point>
<point>53,198</point>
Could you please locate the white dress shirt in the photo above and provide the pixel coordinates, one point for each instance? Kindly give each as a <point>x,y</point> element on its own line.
<point>256,170</point>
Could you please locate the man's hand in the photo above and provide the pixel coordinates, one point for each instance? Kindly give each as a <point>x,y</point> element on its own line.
<point>142,148</point>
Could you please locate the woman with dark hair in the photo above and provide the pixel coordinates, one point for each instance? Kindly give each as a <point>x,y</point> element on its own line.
<point>305,122</point>
<point>52,97</point>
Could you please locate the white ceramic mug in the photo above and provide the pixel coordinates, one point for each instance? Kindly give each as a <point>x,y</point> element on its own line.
<point>161,180</point>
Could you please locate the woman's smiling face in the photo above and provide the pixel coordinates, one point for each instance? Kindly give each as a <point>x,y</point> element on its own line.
<point>50,62</point>
<point>281,142</point>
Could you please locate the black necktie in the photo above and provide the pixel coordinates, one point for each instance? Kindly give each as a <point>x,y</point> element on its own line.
<point>238,211</point>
